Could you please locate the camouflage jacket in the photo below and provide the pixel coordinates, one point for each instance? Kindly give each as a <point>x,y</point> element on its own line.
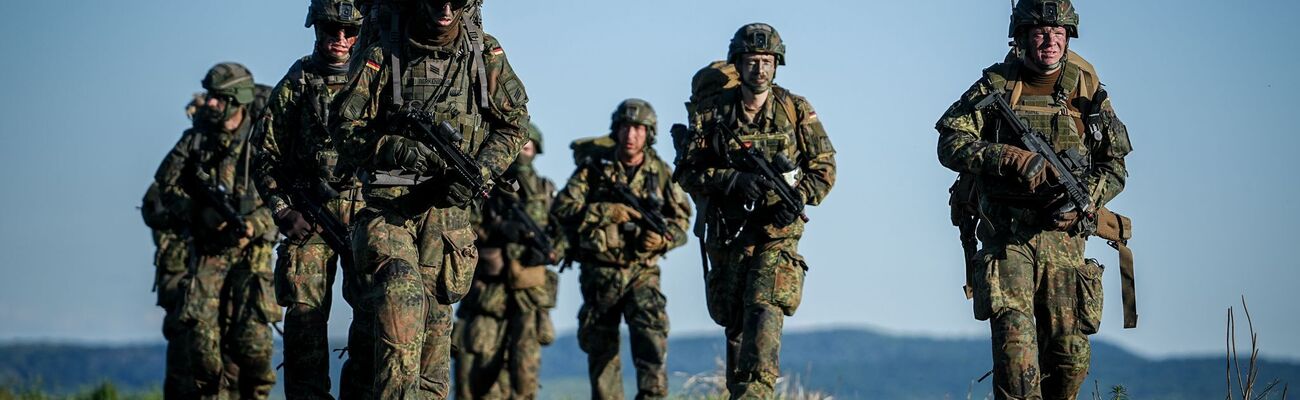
<point>583,201</point>
<point>972,141</point>
<point>786,125</point>
<point>292,138</point>
<point>441,79</point>
<point>536,196</point>
<point>204,154</point>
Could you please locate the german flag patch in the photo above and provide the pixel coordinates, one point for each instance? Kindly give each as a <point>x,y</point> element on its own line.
<point>372,65</point>
<point>497,51</point>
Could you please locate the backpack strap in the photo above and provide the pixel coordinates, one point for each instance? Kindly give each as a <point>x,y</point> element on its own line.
<point>474,28</point>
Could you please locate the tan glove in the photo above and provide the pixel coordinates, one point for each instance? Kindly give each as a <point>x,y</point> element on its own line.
<point>617,213</point>
<point>1064,221</point>
<point>1026,166</point>
<point>653,242</point>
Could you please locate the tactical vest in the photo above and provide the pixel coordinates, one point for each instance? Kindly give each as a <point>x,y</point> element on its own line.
<point>441,80</point>
<point>315,148</point>
<point>612,244</point>
<point>1049,114</point>
<point>773,132</point>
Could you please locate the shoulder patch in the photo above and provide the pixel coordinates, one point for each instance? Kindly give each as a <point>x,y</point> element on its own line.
<point>372,65</point>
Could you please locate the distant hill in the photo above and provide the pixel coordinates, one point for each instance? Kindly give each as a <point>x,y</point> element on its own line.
<point>849,363</point>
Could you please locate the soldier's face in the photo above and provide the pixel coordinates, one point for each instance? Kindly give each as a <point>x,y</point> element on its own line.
<point>757,71</point>
<point>441,12</point>
<point>1047,45</point>
<point>336,41</point>
<point>529,151</point>
<point>631,138</point>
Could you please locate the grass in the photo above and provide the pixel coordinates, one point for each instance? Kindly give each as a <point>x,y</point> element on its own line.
<point>103,391</point>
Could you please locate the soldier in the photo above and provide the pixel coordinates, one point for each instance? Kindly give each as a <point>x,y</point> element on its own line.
<point>170,279</point>
<point>1030,279</point>
<point>627,213</point>
<point>751,234</point>
<point>298,174</point>
<point>505,320</point>
<point>228,300</point>
<point>415,255</point>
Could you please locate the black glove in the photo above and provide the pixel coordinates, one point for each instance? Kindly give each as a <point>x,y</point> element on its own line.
<point>459,194</point>
<point>292,224</point>
<point>784,215</point>
<point>407,154</point>
<point>533,256</point>
<point>749,186</point>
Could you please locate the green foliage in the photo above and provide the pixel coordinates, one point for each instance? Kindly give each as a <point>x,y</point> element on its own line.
<point>103,391</point>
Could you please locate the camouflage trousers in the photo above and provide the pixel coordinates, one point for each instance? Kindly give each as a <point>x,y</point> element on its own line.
<point>611,293</point>
<point>499,337</point>
<point>304,285</point>
<point>753,285</point>
<point>229,305</point>
<point>171,281</point>
<point>1042,299</point>
<point>412,268</point>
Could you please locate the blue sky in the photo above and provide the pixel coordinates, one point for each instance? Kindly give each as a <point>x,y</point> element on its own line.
<point>94,91</point>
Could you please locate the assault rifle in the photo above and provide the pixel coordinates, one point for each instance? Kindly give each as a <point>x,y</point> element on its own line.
<point>444,139</point>
<point>651,218</point>
<point>535,235</point>
<point>310,197</point>
<point>1065,164</point>
<point>197,184</point>
<point>772,171</point>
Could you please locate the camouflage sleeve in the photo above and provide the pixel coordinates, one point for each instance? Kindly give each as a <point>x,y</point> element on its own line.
<point>168,179</point>
<point>263,223</point>
<point>1108,173</point>
<point>817,160</point>
<point>507,114</point>
<point>676,209</point>
<point>571,201</point>
<point>358,106</point>
<point>960,147</point>
<point>273,131</point>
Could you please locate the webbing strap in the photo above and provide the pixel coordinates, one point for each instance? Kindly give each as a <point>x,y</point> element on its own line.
<point>393,48</point>
<point>473,25</point>
<point>1127,290</point>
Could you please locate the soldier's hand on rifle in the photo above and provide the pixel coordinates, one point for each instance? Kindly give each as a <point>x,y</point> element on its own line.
<point>1027,167</point>
<point>532,256</point>
<point>652,242</point>
<point>749,186</point>
<point>292,224</point>
<point>407,154</point>
<point>784,214</point>
<point>1064,221</point>
<point>618,213</point>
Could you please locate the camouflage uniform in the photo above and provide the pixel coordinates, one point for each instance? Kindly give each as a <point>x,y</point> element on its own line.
<point>296,152</point>
<point>757,274</point>
<point>505,320</point>
<point>619,278</point>
<point>413,243</point>
<point>170,279</point>
<point>228,300</point>
<point>1030,279</point>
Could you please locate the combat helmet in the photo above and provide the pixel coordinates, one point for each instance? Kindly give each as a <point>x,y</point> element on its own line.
<point>341,12</point>
<point>636,111</point>
<point>1028,13</point>
<point>756,38</point>
<point>535,135</point>
<point>231,80</point>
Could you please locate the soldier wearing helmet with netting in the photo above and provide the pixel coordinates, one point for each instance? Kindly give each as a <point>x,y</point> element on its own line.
<point>228,300</point>
<point>414,242</point>
<point>1030,279</point>
<point>610,204</point>
<point>296,162</point>
<point>749,233</point>
<point>505,319</point>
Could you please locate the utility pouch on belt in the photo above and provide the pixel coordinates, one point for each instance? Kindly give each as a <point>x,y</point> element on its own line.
<point>1117,230</point>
